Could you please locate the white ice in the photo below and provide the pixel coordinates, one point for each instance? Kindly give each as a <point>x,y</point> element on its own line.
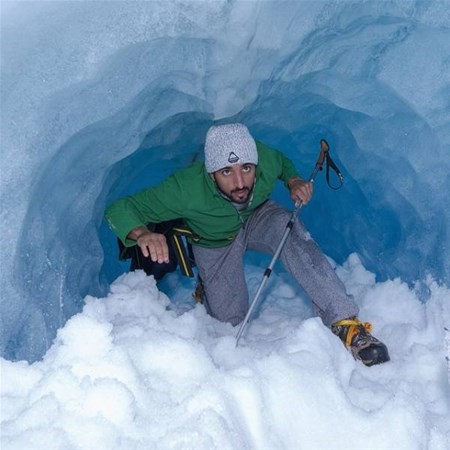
<point>136,371</point>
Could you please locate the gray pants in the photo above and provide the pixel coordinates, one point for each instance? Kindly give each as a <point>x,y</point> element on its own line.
<point>222,269</point>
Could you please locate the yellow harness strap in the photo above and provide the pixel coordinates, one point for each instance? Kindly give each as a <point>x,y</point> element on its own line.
<point>180,250</point>
<point>352,325</point>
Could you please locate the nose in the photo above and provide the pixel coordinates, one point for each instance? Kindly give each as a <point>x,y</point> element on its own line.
<point>239,180</point>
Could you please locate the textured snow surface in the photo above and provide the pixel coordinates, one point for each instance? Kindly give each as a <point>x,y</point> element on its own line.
<point>137,371</point>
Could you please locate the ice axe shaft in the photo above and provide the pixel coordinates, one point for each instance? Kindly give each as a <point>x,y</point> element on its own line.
<point>324,148</point>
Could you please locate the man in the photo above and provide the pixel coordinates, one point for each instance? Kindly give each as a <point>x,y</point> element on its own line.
<point>225,203</point>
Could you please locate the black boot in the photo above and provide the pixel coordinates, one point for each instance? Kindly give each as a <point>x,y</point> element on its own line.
<point>357,338</point>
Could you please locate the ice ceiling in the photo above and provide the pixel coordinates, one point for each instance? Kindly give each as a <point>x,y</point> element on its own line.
<point>100,99</point>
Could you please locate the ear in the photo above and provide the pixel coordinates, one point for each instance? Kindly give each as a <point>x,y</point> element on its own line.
<point>213,178</point>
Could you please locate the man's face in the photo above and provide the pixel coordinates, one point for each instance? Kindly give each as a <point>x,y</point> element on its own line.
<point>236,181</point>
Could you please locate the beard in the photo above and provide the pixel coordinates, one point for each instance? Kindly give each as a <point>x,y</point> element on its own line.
<point>239,196</point>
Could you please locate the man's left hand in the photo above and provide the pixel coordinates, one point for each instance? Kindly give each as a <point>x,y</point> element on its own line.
<point>300,190</point>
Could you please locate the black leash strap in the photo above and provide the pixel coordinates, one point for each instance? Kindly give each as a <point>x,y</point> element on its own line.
<point>331,164</point>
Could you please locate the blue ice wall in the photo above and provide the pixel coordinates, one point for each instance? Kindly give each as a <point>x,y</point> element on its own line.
<point>100,99</point>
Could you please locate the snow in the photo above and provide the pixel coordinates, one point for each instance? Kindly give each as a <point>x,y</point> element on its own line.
<point>135,370</point>
<point>101,99</point>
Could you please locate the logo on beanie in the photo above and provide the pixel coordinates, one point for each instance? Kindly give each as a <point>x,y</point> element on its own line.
<point>233,158</point>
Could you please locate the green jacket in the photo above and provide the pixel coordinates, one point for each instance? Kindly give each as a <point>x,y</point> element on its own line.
<point>190,194</point>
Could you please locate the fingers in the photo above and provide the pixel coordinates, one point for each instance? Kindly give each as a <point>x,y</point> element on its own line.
<point>302,190</point>
<point>155,246</point>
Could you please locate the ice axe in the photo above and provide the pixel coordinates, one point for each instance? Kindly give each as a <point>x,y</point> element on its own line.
<point>323,156</point>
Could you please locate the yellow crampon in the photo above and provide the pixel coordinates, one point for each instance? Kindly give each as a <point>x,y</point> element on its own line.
<point>199,293</point>
<point>352,325</point>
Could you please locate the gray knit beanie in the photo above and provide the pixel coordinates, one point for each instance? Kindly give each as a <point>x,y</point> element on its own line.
<point>227,145</point>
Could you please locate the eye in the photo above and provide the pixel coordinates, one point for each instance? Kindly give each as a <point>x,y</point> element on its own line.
<point>247,168</point>
<point>225,172</point>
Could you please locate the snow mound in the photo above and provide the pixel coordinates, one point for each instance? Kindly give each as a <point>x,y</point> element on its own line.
<point>137,371</point>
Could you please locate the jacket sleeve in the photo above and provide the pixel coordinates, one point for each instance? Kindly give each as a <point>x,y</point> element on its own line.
<point>276,162</point>
<point>288,169</point>
<point>156,204</point>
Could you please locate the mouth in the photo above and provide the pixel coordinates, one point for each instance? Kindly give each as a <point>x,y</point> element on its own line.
<point>240,194</point>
